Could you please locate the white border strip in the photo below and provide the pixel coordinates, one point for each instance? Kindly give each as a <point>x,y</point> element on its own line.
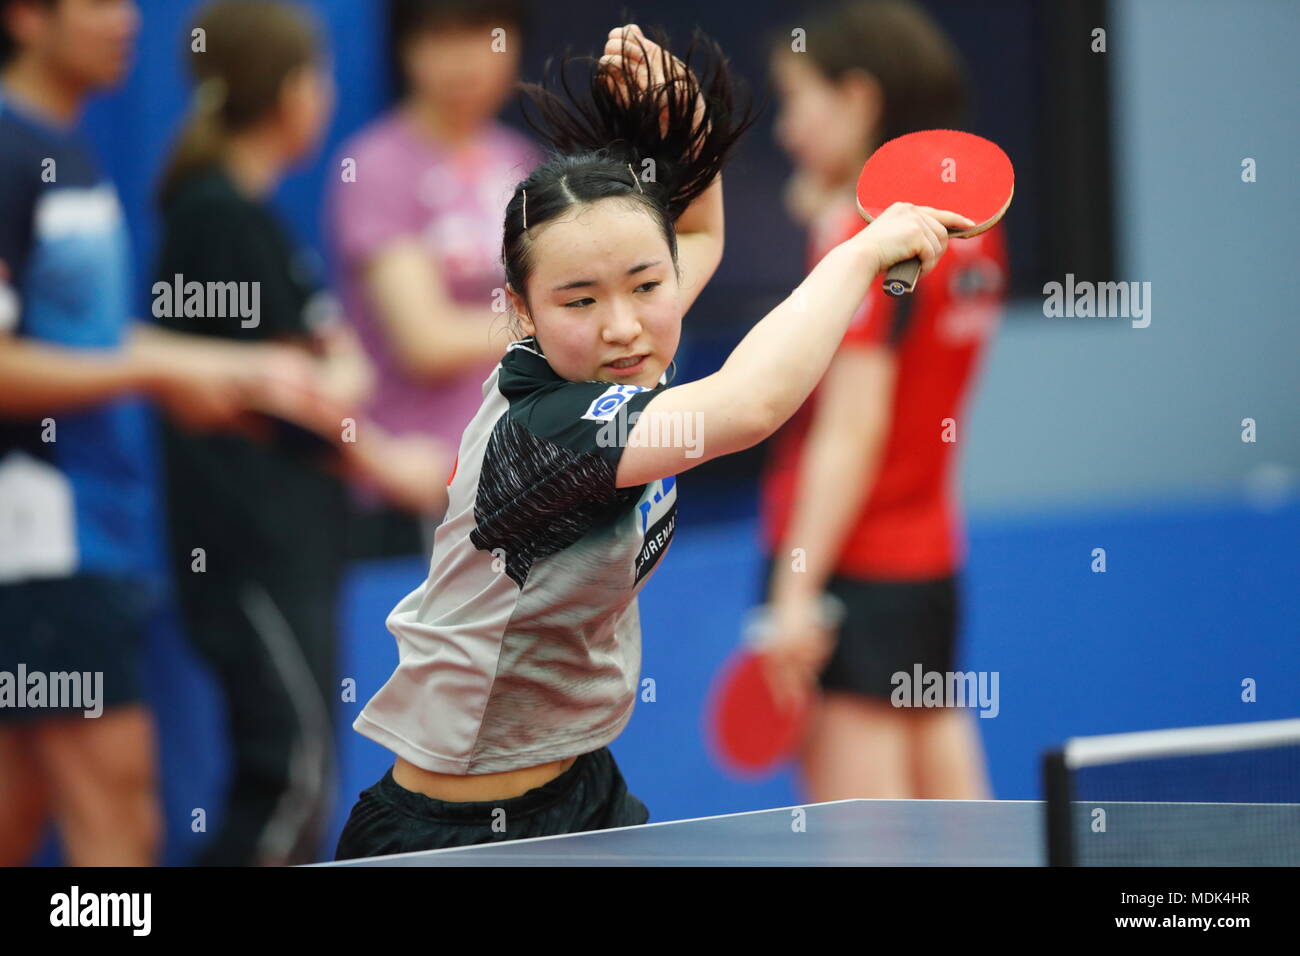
<point>1110,748</point>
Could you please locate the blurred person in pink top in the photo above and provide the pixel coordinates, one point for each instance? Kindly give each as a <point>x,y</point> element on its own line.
<point>416,233</point>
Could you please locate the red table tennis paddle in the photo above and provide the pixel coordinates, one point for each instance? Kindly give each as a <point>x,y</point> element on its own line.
<point>941,168</point>
<point>752,731</point>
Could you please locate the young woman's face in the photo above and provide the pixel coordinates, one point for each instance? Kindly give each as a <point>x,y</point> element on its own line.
<point>306,106</point>
<point>465,73</point>
<point>604,289</point>
<point>825,127</point>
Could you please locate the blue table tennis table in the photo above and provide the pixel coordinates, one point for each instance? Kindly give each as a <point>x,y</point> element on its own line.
<point>843,833</point>
<point>890,833</point>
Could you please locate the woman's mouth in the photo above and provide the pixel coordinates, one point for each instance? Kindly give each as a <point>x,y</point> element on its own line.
<point>627,366</point>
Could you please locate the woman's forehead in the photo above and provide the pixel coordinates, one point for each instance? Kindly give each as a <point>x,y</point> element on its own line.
<point>600,240</point>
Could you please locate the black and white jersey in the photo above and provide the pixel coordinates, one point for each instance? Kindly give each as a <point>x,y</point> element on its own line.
<point>523,645</point>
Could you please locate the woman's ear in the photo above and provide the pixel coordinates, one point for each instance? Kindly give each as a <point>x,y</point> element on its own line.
<point>293,89</point>
<point>520,308</point>
<point>303,111</point>
<point>863,97</point>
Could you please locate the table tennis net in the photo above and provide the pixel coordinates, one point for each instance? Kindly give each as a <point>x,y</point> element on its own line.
<point>1201,796</point>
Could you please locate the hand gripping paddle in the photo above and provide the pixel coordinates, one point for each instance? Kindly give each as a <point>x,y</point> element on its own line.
<point>941,168</point>
<point>752,731</point>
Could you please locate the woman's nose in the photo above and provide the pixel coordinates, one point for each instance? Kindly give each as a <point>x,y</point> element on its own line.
<point>623,325</point>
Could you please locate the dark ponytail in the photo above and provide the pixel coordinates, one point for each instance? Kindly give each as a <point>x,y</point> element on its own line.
<point>250,48</point>
<point>614,144</point>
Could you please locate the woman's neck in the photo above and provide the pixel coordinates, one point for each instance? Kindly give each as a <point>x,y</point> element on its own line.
<point>255,163</point>
<point>435,125</point>
<point>43,92</point>
<point>847,180</point>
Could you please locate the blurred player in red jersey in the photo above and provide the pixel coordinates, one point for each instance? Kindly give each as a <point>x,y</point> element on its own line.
<point>857,496</point>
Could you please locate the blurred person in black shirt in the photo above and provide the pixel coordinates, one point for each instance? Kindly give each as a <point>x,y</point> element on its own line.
<point>258,522</point>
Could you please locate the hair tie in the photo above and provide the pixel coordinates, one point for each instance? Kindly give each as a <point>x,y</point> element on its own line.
<point>635,179</point>
<point>525,210</point>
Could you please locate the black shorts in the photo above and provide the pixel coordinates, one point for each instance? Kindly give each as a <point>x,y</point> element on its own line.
<point>889,627</point>
<point>590,795</point>
<point>84,623</point>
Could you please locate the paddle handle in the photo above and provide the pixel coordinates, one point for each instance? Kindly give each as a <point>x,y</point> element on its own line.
<point>901,277</point>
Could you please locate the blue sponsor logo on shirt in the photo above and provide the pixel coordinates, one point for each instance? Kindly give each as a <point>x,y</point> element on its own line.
<point>604,406</point>
<point>656,538</point>
<point>665,487</point>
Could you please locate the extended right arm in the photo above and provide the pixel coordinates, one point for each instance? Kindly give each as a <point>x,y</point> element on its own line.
<point>780,361</point>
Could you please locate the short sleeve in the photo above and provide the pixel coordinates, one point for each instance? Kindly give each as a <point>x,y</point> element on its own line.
<point>216,241</point>
<point>14,225</point>
<point>15,238</point>
<point>550,467</point>
<point>376,207</point>
<point>590,418</point>
<point>283,292</point>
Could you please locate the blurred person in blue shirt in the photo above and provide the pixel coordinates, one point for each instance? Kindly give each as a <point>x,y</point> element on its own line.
<point>74,495</point>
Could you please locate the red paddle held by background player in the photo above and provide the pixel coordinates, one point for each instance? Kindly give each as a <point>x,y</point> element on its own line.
<point>943,169</point>
<point>754,723</point>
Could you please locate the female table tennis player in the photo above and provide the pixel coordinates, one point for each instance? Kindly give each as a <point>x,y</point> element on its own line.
<point>519,655</point>
<point>860,480</point>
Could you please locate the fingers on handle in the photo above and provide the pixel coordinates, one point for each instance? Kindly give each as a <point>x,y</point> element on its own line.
<point>937,238</point>
<point>948,218</point>
<point>936,224</point>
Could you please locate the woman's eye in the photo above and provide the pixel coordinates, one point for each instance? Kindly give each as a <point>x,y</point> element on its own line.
<point>578,303</point>
<point>648,285</point>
